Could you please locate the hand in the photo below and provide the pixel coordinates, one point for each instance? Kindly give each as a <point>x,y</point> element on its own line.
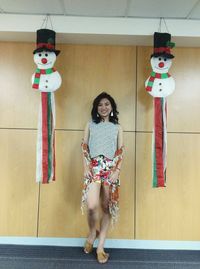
<point>87,172</point>
<point>114,176</point>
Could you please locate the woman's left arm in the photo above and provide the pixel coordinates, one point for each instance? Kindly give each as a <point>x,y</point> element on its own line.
<point>120,145</point>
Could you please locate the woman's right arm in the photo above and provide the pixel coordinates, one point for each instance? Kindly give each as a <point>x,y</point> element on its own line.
<point>86,134</point>
<point>86,167</point>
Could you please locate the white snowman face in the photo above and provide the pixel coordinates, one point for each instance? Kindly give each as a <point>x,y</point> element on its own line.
<point>44,59</point>
<point>161,64</point>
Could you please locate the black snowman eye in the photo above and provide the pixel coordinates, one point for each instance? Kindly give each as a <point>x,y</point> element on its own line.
<point>40,54</point>
<point>159,58</point>
<point>165,59</point>
<point>46,54</point>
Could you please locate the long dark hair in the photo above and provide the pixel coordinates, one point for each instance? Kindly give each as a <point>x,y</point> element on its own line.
<point>94,113</point>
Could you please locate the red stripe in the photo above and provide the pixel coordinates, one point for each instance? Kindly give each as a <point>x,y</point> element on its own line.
<point>43,71</point>
<point>35,86</point>
<point>37,75</point>
<point>158,75</point>
<point>148,89</point>
<point>44,137</point>
<point>45,45</point>
<point>159,141</point>
<point>162,49</point>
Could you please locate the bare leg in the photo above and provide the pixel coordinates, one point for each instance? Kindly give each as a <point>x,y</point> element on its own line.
<point>105,221</point>
<point>93,204</point>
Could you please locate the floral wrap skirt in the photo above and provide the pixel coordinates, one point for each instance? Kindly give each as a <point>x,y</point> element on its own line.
<point>101,168</point>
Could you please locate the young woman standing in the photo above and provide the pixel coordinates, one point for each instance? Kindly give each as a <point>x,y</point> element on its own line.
<point>102,155</point>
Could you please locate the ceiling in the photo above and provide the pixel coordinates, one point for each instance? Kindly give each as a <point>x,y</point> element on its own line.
<point>105,8</point>
<point>176,18</point>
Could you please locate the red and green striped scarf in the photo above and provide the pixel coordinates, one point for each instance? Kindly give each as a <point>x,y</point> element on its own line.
<point>38,73</point>
<point>153,76</point>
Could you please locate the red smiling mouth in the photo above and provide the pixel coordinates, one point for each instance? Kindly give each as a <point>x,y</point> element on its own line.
<point>162,68</point>
<point>45,63</point>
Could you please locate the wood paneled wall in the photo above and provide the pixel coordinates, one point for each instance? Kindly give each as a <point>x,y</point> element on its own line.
<point>53,210</point>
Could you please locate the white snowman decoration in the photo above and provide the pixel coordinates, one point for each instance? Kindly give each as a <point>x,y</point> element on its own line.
<point>160,83</point>
<point>50,80</point>
<point>46,80</point>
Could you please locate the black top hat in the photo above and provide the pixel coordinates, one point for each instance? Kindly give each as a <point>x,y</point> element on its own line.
<point>162,45</point>
<point>46,41</point>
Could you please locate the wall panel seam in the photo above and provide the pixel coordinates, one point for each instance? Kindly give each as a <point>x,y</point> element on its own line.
<point>134,185</point>
<point>38,212</point>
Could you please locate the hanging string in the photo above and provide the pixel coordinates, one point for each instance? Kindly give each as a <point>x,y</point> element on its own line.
<point>44,21</point>
<point>47,20</point>
<point>166,25</point>
<point>160,25</point>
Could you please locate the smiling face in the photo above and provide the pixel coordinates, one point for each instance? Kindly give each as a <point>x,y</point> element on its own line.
<point>161,64</point>
<point>44,59</point>
<point>104,108</point>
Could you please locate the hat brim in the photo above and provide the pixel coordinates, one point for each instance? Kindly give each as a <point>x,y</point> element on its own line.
<point>46,49</point>
<point>165,55</point>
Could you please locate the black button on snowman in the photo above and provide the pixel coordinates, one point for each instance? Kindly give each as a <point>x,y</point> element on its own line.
<point>160,83</point>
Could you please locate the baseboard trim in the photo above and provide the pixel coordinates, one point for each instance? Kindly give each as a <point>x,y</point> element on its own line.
<point>110,243</point>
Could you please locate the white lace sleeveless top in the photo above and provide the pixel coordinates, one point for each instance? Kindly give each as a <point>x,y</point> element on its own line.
<point>103,139</point>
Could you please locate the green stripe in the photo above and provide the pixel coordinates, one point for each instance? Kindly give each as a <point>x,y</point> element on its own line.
<point>153,74</point>
<point>49,71</point>
<point>150,83</point>
<point>164,75</point>
<point>49,135</point>
<point>36,80</point>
